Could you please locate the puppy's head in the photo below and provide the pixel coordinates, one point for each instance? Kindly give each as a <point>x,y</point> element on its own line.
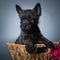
<point>29,18</point>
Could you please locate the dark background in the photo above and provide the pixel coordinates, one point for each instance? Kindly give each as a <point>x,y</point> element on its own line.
<point>9,21</point>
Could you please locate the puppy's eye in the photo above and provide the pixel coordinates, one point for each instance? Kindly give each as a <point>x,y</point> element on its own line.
<point>23,18</point>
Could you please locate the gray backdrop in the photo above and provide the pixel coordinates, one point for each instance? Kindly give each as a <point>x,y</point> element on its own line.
<point>9,21</point>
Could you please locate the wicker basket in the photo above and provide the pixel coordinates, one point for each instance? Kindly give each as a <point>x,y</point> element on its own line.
<point>18,52</point>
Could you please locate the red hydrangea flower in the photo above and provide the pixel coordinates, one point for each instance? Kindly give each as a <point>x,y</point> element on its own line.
<point>55,54</point>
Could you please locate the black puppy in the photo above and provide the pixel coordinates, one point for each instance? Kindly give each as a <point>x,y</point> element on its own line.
<point>30,33</point>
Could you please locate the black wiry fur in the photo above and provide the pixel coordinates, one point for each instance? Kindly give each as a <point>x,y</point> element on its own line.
<point>30,33</point>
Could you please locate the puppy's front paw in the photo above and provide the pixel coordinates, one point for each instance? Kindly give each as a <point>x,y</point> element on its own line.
<point>51,45</point>
<point>30,49</point>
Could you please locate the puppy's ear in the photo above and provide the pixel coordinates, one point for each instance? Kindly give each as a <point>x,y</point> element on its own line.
<point>37,9</point>
<point>18,9</point>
